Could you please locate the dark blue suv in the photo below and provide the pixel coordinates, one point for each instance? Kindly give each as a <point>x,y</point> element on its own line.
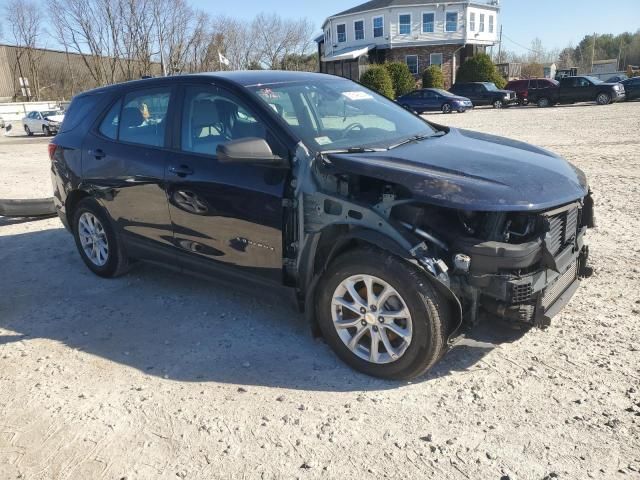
<point>391,233</point>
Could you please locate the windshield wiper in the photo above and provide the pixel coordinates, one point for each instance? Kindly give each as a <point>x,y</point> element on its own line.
<point>418,138</point>
<point>354,150</point>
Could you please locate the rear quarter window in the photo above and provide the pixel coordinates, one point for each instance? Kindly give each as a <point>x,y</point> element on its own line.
<point>78,111</point>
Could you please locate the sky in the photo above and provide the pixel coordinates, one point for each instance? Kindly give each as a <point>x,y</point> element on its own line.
<point>557,22</point>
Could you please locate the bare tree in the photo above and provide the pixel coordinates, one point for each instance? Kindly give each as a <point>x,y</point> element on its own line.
<point>25,20</point>
<point>280,38</point>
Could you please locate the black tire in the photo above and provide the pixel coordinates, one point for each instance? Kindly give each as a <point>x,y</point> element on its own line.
<point>603,98</point>
<point>498,104</point>
<point>446,108</point>
<point>544,102</point>
<point>117,262</point>
<point>46,131</point>
<point>28,131</point>
<point>429,311</point>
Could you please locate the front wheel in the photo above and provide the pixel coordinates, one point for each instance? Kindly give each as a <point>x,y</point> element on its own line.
<point>603,99</point>
<point>381,316</point>
<point>543,102</point>
<point>28,131</point>
<point>446,108</point>
<point>46,131</point>
<point>97,241</point>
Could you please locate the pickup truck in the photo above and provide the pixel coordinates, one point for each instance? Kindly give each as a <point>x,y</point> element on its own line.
<point>581,89</point>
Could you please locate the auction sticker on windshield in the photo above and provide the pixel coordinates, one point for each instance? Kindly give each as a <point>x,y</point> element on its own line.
<point>358,95</point>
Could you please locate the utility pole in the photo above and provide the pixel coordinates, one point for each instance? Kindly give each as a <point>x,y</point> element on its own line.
<point>500,46</point>
<point>593,51</point>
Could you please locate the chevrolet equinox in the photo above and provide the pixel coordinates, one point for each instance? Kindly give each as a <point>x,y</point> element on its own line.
<point>393,232</point>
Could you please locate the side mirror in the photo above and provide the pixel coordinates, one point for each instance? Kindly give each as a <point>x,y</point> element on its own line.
<point>247,150</point>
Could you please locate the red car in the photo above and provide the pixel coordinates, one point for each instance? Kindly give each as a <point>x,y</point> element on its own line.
<point>526,90</point>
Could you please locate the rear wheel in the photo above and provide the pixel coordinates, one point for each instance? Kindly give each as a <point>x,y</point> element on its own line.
<point>446,108</point>
<point>97,241</point>
<point>498,104</point>
<point>381,316</point>
<point>603,99</point>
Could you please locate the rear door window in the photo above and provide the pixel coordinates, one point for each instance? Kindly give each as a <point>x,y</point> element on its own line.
<point>143,117</point>
<point>78,111</point>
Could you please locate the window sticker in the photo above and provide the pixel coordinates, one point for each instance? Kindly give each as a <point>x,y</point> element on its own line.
<point>268,93</point>
<point>358,95</point>
<point>323,140</point>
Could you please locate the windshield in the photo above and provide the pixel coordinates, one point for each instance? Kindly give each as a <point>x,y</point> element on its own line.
<point>594,80</point>
<point>491,87</point>
<point>330,114</point>
<point>444,93</point>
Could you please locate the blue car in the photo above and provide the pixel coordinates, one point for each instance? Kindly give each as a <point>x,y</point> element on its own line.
<point>434,99</point>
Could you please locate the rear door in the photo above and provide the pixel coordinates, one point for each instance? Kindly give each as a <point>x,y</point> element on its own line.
<point>124,161</point>
<point>228,213</point>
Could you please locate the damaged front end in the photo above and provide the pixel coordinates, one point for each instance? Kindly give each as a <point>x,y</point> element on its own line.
<point>521,266</point>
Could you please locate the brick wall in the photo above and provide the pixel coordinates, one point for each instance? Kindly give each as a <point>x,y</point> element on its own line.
<point>424,54</point>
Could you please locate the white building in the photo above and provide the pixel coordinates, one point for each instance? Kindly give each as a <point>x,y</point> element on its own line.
<point>418,32</point>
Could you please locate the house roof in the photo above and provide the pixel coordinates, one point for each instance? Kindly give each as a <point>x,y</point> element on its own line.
<point>378,4</point>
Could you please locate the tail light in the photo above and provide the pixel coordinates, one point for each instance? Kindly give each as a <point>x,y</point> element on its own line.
<point>52,150</point>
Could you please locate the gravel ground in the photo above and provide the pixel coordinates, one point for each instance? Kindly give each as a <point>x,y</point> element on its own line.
<point>162,376</point>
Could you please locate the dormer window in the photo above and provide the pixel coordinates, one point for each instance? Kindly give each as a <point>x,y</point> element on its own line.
<point>428,22</point>
<point>378,27</point>
<point>451,22</point>
<point>358,27</point>
<point>404,21</point>
<point>341,29</point>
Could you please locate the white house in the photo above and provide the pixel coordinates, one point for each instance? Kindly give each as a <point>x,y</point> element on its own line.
<point>418,32</point>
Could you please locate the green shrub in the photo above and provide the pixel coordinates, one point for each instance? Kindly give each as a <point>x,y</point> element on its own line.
<point>401,78</point>
<point>433,77</point>
<point>377,78</point>
<point>480,68</point>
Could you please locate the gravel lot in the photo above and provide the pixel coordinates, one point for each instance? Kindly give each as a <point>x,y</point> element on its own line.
<point>162,376</point>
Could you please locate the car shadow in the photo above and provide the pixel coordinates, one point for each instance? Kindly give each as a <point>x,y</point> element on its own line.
<point>178,326</point>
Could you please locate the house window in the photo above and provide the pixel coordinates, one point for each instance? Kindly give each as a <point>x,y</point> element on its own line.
<point>428,21</point>
<point>490,23</point>
<point>412,63</point>
<point>405,24</point>
<point>452,22</point>
<point>358,27</point>
<point>342,32</point>
<point>378,27</point>
<point>472,22</point>
<point>482,22</point>
<point>435,59</point>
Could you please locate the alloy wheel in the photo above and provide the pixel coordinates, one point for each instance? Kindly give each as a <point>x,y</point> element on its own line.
<point>93,239</point>
<point>371,319</point>
<point>497,104</point>
<point>446,108</point>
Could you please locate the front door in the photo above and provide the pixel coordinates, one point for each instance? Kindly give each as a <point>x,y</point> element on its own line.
<point>228,214</point>
<point>124,162</point>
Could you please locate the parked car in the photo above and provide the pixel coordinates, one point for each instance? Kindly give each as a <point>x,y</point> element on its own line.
<point>581,89</point>
<point>527,89</point>
<point>434,99</point>
<point>617,78</point>
<point>2,124</point>
<point>485,93</point>
<point>393,233</point>
<point>46,121</point>
<point>632,88</point>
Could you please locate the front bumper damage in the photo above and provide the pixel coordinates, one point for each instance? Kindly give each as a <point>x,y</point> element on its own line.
<point>529,283</point>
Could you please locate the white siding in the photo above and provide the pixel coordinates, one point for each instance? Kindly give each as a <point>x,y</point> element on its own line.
<point>392,38</point>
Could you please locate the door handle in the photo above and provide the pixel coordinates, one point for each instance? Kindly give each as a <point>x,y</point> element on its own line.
<point>97,154</point>
<point>181,171</point>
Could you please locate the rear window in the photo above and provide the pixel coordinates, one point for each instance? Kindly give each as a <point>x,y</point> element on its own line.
<point>78,110</point>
